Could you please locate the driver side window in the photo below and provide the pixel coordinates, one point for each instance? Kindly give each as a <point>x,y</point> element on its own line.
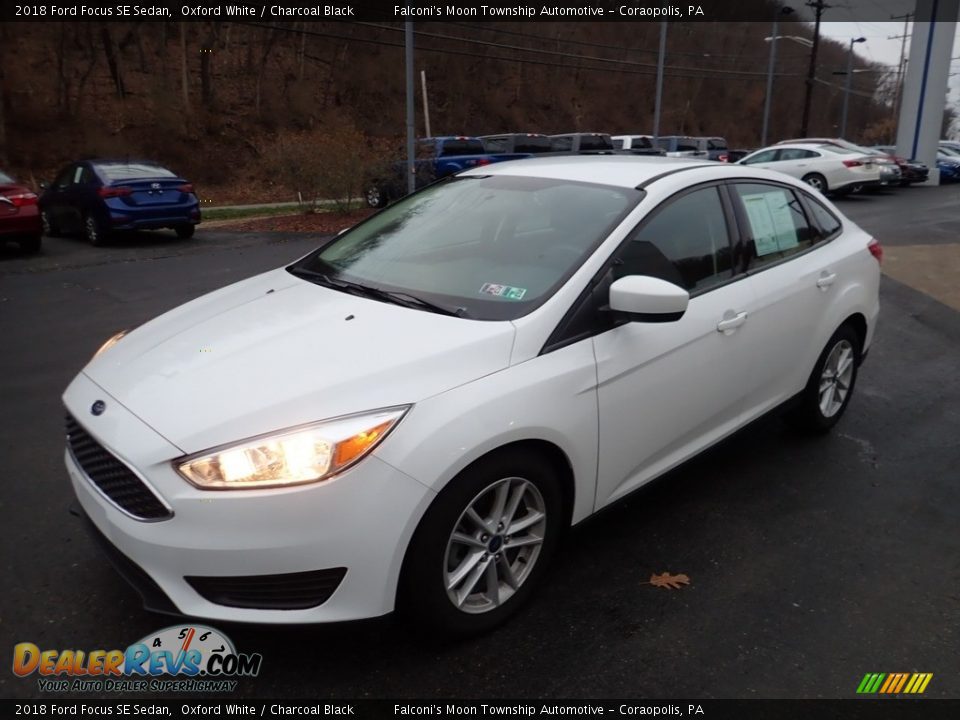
<point>65,178</point>
<point>685,242</point>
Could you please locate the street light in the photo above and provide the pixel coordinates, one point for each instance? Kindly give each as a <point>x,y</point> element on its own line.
<point>773,59</point>
<point>806,42</point>
<point>846,89</point>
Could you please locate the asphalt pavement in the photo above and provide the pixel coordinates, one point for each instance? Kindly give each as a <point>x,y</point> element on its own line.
<point>812,561</point>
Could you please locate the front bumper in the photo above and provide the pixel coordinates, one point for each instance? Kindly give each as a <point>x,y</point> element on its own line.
<point>360,521</point>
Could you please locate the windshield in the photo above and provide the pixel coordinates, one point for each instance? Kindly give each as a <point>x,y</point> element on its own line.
<point>495,247</point>
<point>4,178</point>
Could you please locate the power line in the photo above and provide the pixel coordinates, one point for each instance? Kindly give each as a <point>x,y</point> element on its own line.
<point>675,71</point>
<point>586,43</point>
<point>560,53</point>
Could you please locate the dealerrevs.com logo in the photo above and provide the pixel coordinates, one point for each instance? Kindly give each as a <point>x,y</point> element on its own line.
<point>180,658</point>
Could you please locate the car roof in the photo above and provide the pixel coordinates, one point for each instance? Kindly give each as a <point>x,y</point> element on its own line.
<point>618,170</point>
<point>512,134</point>
<point>795,146</point>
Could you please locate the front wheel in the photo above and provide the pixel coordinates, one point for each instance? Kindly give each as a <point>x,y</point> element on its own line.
<point>830,387</point>
<point>483,546</point>
<point>816,181</point>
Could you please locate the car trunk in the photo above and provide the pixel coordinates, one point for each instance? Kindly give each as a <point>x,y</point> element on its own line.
<point>150,192</point>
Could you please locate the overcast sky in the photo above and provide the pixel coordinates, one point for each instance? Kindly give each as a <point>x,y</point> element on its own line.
<point>883,44</point>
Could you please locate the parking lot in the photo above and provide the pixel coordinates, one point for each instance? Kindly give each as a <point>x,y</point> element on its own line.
<point>811,561</point>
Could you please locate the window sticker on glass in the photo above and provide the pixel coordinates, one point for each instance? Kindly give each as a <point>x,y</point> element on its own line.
<point>772,222</point>
<point>505,291</point>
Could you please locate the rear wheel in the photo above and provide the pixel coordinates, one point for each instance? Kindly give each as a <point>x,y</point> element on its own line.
<point>31,244</point>
<point>94,230</point>
<point>483,546</point>
<point>816,181</point>
<point>830,387</point>
<point>374,196</point>
<point>185,231</point>
<point>50,228</point>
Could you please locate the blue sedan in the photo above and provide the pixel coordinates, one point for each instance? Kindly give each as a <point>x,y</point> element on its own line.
<point>96,198</point>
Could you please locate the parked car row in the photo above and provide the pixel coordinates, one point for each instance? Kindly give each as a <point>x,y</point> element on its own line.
<point>839,167</point>
<point>95,199</point>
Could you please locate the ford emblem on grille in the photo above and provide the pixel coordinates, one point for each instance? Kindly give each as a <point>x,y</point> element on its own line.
<point>98,407</point>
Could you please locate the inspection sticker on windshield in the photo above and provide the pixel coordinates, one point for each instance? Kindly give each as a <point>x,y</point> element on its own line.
<point>504,291</point>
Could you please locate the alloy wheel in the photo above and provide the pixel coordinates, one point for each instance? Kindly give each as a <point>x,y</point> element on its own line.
<point>836,377</point>
<point>495,545</point>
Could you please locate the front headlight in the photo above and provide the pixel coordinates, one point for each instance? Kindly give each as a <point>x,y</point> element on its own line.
<point>110,343</point>
<point>291,457</point>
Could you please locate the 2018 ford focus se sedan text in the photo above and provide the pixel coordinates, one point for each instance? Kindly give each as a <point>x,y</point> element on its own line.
<point>411,415</point>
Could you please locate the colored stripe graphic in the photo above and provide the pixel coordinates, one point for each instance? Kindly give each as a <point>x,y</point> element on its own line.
<point>894,683</point>
<point>901,683</point>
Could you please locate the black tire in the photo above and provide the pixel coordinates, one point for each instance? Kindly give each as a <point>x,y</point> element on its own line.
<point>50,228</point>
<point>31,244</point>
<point>809,415</point>
<point>817,182</point>
<point>94,230</point>
<point>375,195</point>
<point>185,232</point>
<point>422,595</point>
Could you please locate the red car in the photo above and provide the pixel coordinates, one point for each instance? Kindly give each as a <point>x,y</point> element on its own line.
<point>19,214</point>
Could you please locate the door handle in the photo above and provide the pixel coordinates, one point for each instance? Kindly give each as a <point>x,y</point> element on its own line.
<point>730,324</point>
<point>825,281</point>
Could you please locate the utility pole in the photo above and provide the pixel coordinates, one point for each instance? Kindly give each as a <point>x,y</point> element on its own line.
<point>656,109</point>
<point>819,6</point>
<point>411,144</point>
<point>901,68</point>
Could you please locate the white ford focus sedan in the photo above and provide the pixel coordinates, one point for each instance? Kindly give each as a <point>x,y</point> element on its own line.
<point>410,416</point>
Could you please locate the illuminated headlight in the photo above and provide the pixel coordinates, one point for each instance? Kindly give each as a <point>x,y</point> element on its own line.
<point>111,342</point>
<point>292,457</point>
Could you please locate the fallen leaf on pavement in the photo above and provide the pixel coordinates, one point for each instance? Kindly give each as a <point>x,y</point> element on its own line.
<point>671,582</point>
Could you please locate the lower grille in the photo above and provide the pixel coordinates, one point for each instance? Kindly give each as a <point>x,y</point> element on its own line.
<point>291,591</point>
<point>114,479</point>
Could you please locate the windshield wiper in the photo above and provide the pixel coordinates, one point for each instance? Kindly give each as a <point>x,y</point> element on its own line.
<point>408,300</point>
<point>391,296</point>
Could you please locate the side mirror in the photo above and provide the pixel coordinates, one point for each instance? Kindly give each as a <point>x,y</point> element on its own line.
<point>648,299</point>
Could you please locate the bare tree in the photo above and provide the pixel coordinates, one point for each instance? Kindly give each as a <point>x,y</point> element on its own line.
<point>210,44</point>
<point>112,61</point>
<point>184,68</point>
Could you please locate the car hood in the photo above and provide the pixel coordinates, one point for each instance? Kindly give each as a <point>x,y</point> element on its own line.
<point>276,351</point>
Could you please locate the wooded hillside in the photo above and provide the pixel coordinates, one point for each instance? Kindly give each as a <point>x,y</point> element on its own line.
<point>207,98</point>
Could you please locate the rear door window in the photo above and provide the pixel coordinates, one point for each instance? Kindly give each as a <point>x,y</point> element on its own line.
<point>796,154</point>
<point>775,224</point>
<point>561,143</point>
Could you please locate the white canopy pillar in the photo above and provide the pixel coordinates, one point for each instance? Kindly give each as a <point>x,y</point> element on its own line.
<point>925,86</point>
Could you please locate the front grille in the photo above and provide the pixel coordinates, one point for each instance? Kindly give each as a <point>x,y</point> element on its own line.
<point>291,591</point>
<point>112,477</point>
